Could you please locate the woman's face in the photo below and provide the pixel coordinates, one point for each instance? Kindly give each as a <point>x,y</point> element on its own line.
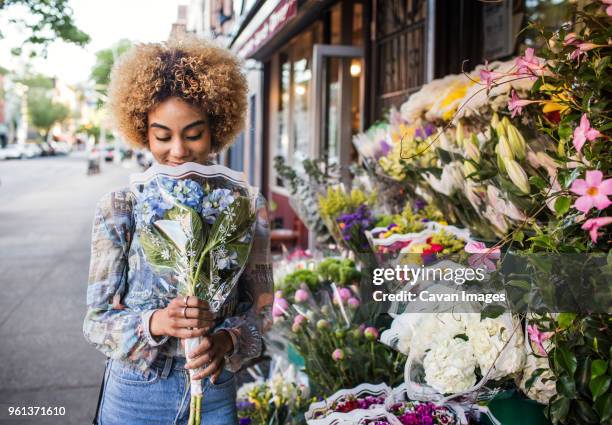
<point>178,133</point>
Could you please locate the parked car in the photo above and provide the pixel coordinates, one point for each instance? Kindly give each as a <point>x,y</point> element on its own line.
<point>109,154</point>
<point>12,152</point>
<point>47,149</point>
<point>61,148</point>
<point>31,150</point>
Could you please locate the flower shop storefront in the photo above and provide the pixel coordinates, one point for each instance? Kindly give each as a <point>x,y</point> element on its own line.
<point>317,68</point>
<point>463,274</point>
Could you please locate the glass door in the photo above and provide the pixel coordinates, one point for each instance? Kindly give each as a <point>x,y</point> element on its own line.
<point>337,103</point>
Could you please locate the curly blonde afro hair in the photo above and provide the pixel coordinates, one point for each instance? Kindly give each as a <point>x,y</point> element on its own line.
<point>199,72</point>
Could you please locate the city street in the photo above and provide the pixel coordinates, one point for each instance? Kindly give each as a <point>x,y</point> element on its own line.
<point>46,212</point>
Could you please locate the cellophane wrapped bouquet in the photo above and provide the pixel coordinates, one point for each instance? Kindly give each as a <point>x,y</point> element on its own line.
<point>196,222</point>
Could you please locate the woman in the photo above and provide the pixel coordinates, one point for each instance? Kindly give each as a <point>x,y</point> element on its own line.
<point>182,100</point>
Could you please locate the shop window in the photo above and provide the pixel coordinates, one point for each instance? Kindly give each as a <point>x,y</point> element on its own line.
<point>293,114</point>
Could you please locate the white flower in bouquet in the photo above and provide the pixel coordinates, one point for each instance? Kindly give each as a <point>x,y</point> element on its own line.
<point>502,206</point>
<point>498,345</point>
<point>245,389</point>
<point>423,100</point>
<point>450,181</point>
<point>449,366</point>
<point>430,330</point>
<point>543,387</point>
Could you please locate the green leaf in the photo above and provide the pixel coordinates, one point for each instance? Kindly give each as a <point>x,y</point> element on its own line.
<point>603,406</point>
<point>564,320</point>
<point>559,409</point>
<point>586,412</point>
<point>519,236</point>
<point>566,360</point>
<point>492,311</point>
<point>534,376</point>
<point>599,385</point>
<point>538,182</point>
<point>565,132</point>
<point>566,386</point>
<point>562,205</point>
<point>462,336</point>
<point>598,368</point>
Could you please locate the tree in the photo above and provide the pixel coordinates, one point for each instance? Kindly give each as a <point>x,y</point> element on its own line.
<point>48,21</point>
<point>105,59</point>
<point>43,111</point>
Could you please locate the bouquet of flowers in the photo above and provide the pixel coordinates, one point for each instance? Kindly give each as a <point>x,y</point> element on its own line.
<point>323,331</point>
<point>276,401</point>
<point>197,222</point>
<point>453,355</point>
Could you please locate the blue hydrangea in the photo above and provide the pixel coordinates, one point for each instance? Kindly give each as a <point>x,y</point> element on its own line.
<point>160,195</point>
<point>215,203</point>
<point>188,192</point>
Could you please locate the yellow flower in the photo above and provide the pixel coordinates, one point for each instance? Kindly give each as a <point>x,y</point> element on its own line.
<point>559,100</point>
<point>418,248</point>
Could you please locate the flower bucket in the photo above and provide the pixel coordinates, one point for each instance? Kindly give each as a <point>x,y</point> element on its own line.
<point>510,408</point>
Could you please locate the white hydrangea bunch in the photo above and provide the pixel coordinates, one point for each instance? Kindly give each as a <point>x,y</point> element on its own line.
<point>498,345</point>
<point>451,346</point>
<point>449,366</point>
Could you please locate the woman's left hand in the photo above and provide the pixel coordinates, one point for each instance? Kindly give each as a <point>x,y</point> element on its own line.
<point>210,354</point>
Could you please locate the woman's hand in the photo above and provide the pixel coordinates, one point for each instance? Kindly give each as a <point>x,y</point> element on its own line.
<point>210,354</point>
<point>182,320</point>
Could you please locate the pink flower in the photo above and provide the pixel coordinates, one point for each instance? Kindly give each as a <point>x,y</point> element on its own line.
<point>353,302</point>
<point>571,38</point>
<point>338,354</point>
<point>342,295</point>
<point>371,333</point>
<point>528,64</point>
<point>482,255</point>
<point>488,76</point>
<point>609,8</point>
<point>301,296</point>
<point>584,132</point>
<point>594,191</point>
<point>516,104</point>
<point>593,225</point>
<point>538,338</point>
<point>297,323</point>
<point>582,49</point>
<point>280,307</point>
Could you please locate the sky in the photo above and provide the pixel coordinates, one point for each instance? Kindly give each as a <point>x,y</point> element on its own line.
<point>106,22</point>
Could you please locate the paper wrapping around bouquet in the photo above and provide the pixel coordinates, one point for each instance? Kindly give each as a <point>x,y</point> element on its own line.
<point>198,172</point>
<point>209,177</point>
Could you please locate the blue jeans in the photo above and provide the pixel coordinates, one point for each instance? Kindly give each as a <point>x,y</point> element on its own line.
<point>160,396</point>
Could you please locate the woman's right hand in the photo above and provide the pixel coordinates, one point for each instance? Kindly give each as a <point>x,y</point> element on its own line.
<point>182,321</point>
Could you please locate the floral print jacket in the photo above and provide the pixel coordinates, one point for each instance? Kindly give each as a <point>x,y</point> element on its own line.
<point>124,291</point>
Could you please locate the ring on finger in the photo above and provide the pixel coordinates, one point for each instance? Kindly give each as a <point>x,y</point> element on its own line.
<point>185,312</point>
<point>186,300</point>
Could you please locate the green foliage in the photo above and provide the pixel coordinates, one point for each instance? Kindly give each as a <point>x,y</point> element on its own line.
<point>44,112</point>
<point>105,59</point>
<point>292,281</point>
<point>580,360</point>
<point>342,272</point>
<point>48,21</point>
